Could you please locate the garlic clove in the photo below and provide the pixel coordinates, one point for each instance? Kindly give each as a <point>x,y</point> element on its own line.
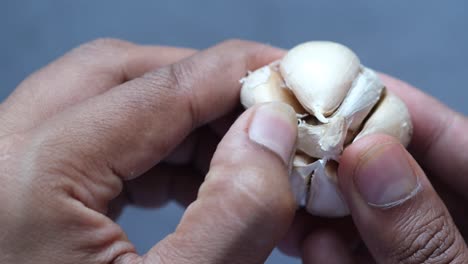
<point>323,140</point>
<point>320,74</point>
<point>325,198</point>
<point>303,167</point>
<point>390,117</point>
<point>361,98</point>
<point>308,137</point>
<point>266,85</point>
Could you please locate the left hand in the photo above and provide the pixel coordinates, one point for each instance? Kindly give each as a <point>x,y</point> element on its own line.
<point>99,128</point>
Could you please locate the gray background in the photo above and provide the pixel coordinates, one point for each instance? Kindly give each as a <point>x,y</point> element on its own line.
<point>421,41</point>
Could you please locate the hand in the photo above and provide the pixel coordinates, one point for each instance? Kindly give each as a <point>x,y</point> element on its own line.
<point>395,209</point>
<point>99,128</point>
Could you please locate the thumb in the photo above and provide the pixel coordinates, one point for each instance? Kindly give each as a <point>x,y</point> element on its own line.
<point>245,205</point>
<point>400,217</point>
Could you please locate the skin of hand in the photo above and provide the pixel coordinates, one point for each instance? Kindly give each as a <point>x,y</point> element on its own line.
<point>112,123</point>
<point>99,128</point>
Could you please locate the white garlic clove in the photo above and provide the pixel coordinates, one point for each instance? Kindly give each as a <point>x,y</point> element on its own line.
<point>325,198</point>
<point>320,74</point>
<point>266,85</point>
<point>361,98</point>
<point>323,140</point>
<point>303,167</point>
<point>391,117</point>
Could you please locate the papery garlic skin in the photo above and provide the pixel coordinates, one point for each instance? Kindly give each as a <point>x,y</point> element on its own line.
<point>338,101</point>
<point>267,85</point>
<point>320,74</point>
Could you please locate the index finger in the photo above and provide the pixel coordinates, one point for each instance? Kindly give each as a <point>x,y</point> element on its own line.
<point>89,70</point>
<point>440,138</point>
<point>133,126</point>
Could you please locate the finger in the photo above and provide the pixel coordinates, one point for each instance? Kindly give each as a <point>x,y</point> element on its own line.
<point>184,153</point>
<point>129,129</point>
<point>88,70</point>
<point>362,255</point>
<point>397,212</point>
<point>156,187</point>
<point>326,246</point>
<point>196,150</point>
<point>305,225</point>
<point>439,140</point>
<point>245,204</point>
<point>177,178</point>
<point>163,183</point>
<point>221,125</point>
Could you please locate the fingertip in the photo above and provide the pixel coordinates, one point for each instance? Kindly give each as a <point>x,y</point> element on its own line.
<point>245,205</point>
<point>353,154</point>
<point>274,126</point>
<point>393,204</point>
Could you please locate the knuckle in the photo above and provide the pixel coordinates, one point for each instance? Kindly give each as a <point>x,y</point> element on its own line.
<point>175,83</point>
<point>431,239</point>
<point>107,43</point>
<point>246,50</point>
<point>167,79</point>
<point>240,43</point>
<point>234,42</point>
<point>102,48</point>
<point>249,52</point>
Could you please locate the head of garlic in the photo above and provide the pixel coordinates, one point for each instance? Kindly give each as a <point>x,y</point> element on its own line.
<point>337,101</point>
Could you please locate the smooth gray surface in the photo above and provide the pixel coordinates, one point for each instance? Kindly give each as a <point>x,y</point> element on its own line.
<point>421,41</point>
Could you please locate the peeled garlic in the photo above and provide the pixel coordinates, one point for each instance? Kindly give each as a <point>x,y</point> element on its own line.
<point>338,101</point>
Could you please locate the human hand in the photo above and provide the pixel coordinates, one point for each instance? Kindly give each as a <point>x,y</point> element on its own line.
<point>81,133</point>
<point>395,209</point>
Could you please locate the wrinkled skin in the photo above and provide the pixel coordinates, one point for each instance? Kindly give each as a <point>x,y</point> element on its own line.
<point>113,123</point>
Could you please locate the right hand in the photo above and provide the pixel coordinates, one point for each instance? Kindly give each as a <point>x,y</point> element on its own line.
<point>375,172</point>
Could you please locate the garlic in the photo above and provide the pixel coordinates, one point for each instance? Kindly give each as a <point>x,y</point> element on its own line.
<point>267,85</point>
<point>320,74</point>
<point>303,166</point>
<point>324,197</point>
<point>391,117</point>
<point>337,101</point>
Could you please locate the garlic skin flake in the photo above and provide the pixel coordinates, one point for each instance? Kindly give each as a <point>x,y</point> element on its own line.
<point>337,101</point>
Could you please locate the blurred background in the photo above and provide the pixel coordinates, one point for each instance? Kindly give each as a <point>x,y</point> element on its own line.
<point>421,41</point>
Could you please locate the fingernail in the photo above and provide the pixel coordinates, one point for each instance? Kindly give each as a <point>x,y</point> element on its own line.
<point>385,178</point>
<point>274,126</point>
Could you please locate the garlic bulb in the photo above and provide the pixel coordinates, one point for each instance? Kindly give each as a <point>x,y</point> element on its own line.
<point>337,101</point>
